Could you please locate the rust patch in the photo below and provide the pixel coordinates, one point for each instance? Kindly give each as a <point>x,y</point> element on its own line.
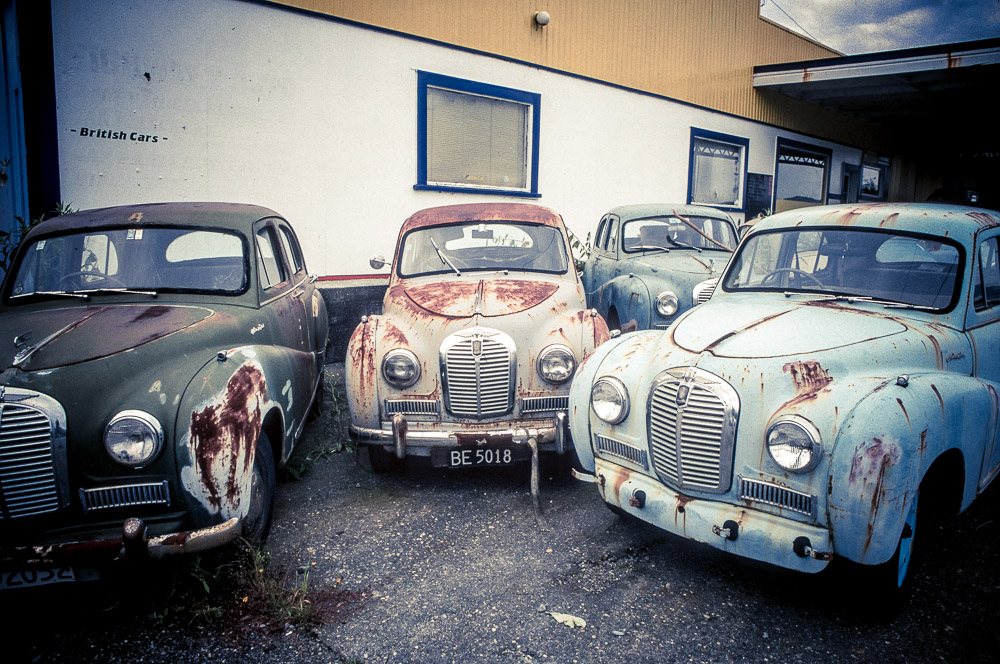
<point>940,400</point>
<point>151,313</point>
<point>809,379</point>
<point>869,467</point>
<point>889,221</point>
<point>224,433</point>
<point>445,298</point>
<point>984,219</point>
<point>507,296</point>
<point>393,335</point>
<point>450,214</point>
<point>903,408</point>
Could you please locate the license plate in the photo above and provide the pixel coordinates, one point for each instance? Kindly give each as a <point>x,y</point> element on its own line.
<point>36,576</point>
<point>468,457</point>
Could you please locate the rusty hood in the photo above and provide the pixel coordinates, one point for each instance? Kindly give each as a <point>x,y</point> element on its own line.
<point>60,337</point>
<point>759,327</point>
<point>487,297</point>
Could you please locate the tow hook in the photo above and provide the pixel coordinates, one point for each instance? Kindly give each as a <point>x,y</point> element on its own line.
<point>587,477</point>
<point>729,530</point>
<point>803,548</point>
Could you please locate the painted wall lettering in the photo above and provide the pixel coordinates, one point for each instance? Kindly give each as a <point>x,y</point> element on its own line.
<point>119,135</point>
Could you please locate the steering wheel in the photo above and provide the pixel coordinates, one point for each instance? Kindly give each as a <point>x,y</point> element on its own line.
<point>79,275</point>
<point>791,270</point>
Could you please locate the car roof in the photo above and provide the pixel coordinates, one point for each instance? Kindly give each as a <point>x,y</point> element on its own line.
<point>449,214</point>
<point>236,216</point>
<point>936,219</point>
<point>643,210</point>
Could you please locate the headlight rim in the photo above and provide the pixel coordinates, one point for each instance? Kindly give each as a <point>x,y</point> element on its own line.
<point>148,420</point>
<point>811,432</point>
<point>551,348</point>
<point>620,388</point>
<point>674,307</point>
<point>410,355</point>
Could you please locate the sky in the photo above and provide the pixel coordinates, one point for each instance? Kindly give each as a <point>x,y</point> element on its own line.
<point>867,26</point>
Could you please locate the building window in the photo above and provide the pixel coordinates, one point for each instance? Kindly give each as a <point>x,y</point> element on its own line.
<point>476,138</point>
<point>801,175</point>
<point>717,173</point>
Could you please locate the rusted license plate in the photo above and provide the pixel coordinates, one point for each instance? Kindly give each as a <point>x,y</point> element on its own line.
<point>36,576</point>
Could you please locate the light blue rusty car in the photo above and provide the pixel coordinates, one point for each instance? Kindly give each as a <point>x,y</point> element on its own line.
<point>650,263</point>
<point>839,387</point>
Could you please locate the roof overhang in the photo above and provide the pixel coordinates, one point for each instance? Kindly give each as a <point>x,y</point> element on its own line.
<point>943,93</point>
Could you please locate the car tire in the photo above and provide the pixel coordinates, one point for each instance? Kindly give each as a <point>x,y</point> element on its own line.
<point>895,575</point>
<point>382,461</point>
<point>257,522</point>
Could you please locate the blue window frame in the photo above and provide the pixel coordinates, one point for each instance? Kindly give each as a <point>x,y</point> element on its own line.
<point>476,138</point>
<point>717,172</point>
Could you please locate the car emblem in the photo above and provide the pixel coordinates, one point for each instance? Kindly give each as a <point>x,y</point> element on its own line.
<point>682,395</point>
<point>477,347</point>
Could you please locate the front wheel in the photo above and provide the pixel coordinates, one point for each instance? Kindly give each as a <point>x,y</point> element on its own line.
<point>257,522</point>
<point>895,574</point>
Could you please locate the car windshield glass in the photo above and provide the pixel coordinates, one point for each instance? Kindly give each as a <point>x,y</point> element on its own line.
<point>144,259</point>
<point>915,270</point>
<point>494,245</point>
<point>678,232</point>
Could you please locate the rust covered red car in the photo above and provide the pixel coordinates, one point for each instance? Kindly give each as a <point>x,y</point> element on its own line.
<point>484,323</point>
<point>158,361</point>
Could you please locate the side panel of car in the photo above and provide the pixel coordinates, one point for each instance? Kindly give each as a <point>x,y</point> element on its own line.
<point>886,446</point>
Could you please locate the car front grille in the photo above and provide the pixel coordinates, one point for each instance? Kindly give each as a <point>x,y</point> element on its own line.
<point>29,479</point>
<point>777,496</point>
<point>478,369</point>
<point>129,495</point>
<point>692,429</point>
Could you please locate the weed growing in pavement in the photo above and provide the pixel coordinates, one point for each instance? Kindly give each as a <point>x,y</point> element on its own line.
<point>326,434</point>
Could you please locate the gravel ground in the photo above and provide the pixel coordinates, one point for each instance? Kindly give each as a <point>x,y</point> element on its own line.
<point>435,566</point>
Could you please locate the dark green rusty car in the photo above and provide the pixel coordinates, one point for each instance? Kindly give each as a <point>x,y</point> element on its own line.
<point>156,363</point>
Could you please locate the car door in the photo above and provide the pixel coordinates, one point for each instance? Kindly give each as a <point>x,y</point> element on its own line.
<point>281,292</point>
<point>605,264</point>
<point>983,327</point>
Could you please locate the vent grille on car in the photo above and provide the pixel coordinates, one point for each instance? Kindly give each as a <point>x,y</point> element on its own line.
<point>621,450</point>
<point>129,495</point>
<point>412,406</point>
<point>28,483</point>
<point>478,367</point>
<point>778,496</point>
<point>692,428</point>
<point>703,291</point>
<point>543,404</point>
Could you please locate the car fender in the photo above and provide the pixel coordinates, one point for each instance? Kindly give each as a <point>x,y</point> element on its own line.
<point>219,419</point>
<point>361,375</point>
<point>885,446</point>
<point>629,296</point>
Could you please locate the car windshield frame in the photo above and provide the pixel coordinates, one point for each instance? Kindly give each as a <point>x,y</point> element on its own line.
<point>852,264</point>
<point>695,238</point>
<point>108,264</point>
<point>468,246</point>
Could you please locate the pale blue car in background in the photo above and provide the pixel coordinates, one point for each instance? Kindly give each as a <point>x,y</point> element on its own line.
<point>650,263</point>
<point>839,388</point>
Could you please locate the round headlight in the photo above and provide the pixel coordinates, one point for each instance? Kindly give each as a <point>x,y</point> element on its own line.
<point>794,444</point>
<point>133,438</point>
<point>609,399</point>
<point>666,304</point>
<point>556,364</point>
<point>400,368</point>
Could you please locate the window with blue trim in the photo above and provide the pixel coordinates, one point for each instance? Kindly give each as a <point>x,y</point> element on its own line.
<point>801,175</point>
<point>717,172</point>
<point>476,138</point>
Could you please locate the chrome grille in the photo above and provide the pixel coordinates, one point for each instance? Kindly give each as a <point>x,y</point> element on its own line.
<point>28,480</point>
<point>692,429</point>
<point>478,369</point>
<point>621,450</point>
<point>543,404</point>
<point>779,496</point>
<point>412,406</point>
<point>130,495</point>
<point>703,291</point>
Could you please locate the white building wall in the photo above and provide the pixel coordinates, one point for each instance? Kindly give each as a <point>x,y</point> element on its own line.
<point>240,101</point>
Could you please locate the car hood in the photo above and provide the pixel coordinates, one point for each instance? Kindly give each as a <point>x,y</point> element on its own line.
<point>763,327</point>
<point>60,337</point>
<point>492,297</point>
<point>684,261</point>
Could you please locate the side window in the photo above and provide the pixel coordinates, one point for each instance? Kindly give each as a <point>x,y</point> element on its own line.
<point>476,137</point>
<point>612,234</point>
<point>602,234</point>
<point>293,255</point>
<point>987,290</point>
<point>801,175</point>
<point>717,173</point>
<point>269,265</point>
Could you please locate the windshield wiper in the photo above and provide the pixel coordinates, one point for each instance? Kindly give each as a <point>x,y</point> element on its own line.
<point>683,245</point>
<point>444,259</point>
<point>51,292</point>
<point>116,290</point>
<point>888,304</point>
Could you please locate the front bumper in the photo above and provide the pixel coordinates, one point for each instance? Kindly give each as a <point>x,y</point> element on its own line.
<point>732,528</point>
<point>133,544</point>
<point>417,438</point>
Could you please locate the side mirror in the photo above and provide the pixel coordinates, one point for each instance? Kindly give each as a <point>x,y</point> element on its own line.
<point>378,262</point>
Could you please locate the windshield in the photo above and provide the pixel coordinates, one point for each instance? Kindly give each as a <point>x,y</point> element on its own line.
<point>901,268</point>
<point>678,232</point>
<point>493,245</point>
<point>144,259</point>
